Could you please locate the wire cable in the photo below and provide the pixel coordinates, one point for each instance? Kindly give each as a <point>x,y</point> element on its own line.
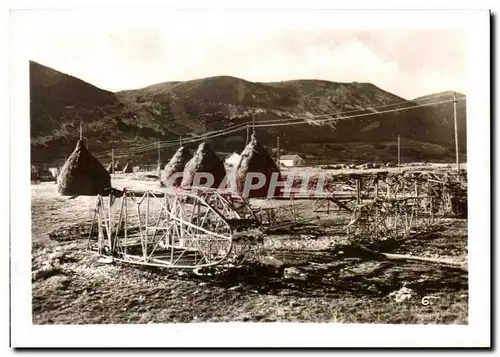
<point>303,119</point>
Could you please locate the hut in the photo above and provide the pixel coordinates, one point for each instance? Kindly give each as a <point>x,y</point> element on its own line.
<point>206,161</point>
<point>128,169</point>
<point>175,165</point>
<point>291,161</point>
<point>82,174</point>
<point>256,159</point>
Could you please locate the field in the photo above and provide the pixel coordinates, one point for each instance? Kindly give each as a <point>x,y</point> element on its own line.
<point>309,274</point>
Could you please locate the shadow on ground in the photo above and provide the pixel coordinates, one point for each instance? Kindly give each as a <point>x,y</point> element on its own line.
<point>327,272</point>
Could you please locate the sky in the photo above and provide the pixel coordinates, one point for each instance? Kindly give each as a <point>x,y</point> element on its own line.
<point>406,62</point>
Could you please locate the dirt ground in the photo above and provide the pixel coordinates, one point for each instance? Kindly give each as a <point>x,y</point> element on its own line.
<point>309,274</point>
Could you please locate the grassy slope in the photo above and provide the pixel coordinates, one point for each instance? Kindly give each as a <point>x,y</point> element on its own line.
<point>440,118</point>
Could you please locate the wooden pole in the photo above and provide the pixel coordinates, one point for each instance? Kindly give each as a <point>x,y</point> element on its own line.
<point>278,150</point>
<point>126,216</point>
<point>399,150</point>
<point>112,161</point>
<point>391,256</point>
<point>253,122</point>
<point>81,130</point>
<point>248,134</point>
<point>159,165</point>
<point>145,249</point>
<point>111,221</point>
<point>358,191</point>
<point>99,225</point>
<point>455,101</point>
<point>180,141</point>
<point>253,113</point>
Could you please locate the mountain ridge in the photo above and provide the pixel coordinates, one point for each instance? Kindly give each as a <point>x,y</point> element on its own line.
<point>168,110</point>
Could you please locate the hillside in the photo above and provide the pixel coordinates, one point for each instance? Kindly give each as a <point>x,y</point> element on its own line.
<point>168,110</point>
<point>440,119</point>
<point>57,104</point>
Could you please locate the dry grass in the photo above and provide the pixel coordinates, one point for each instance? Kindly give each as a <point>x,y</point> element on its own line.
<point>340,285</point>
<point>50,211</point>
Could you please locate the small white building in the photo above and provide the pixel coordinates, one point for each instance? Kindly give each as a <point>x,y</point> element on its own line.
<point>291,161</point>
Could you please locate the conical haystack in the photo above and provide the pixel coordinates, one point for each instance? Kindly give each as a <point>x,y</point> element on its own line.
<point>204,161</point>
<point>255,159</point>
<point>175,165</point>
<point>82,174</point>
<point>128,169</point>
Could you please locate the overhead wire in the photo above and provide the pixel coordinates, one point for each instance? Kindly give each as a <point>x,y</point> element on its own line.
<point>285,121</point>
<point>302,119</point>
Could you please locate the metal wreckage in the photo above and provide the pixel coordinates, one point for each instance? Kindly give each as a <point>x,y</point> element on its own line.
<point>200,228</point>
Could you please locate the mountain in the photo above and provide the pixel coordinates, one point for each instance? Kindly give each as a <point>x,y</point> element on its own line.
<point>361,130</point>
<point>58,102</point>
<point>57,99</point>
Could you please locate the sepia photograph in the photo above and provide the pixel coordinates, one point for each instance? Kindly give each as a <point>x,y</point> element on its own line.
<point>251,171</point>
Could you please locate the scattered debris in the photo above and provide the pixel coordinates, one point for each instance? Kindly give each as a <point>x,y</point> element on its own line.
<point>293,273</point>
<point>402,294</point>
<point>45,273</point>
